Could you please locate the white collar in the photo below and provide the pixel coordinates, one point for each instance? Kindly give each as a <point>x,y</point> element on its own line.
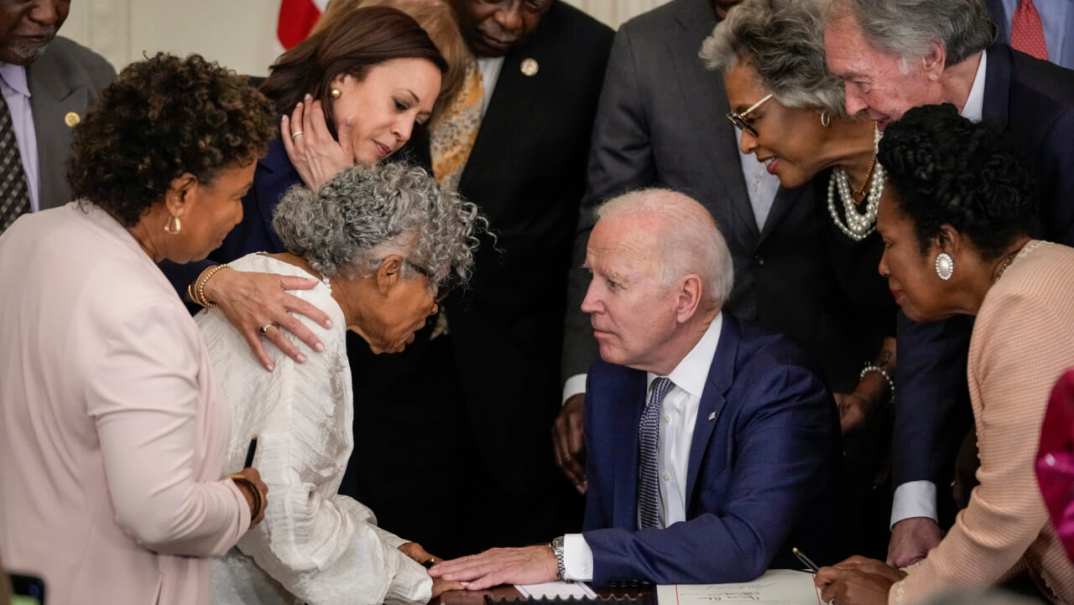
<point>973,110</point>
<point>15,78</point>
<point>693,371</point>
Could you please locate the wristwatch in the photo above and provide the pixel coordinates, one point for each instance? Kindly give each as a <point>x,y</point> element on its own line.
<point>557,551</point>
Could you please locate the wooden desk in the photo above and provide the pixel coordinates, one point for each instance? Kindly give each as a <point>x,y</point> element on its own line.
<point>477,597</point>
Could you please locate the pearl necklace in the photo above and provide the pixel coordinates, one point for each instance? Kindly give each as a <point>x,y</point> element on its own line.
<point>858,225</point>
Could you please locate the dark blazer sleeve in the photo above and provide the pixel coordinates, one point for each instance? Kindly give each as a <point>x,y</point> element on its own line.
<point>1058,171</point>
<point>620,159</point>
<point>778,467</point>
<point>931,399</point>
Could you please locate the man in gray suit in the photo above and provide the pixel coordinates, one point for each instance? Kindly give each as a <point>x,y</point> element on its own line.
<point>47,83</point>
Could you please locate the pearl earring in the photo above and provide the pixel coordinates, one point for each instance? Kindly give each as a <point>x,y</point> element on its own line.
<point>336,93</point>
<point>945,266</point>
<point>174,226</point>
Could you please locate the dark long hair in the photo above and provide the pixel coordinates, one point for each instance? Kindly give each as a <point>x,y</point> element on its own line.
<point>350,46</point>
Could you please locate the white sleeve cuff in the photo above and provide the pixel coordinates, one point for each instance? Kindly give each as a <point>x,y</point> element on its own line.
<point>577,558</point>
<point>575,385</point>
<point>914,499</point>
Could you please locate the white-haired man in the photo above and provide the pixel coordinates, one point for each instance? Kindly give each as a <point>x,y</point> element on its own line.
<point>712,447</point>
<point>899,54</point>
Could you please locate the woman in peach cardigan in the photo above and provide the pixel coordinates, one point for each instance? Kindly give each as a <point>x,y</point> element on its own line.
<point>112,436</point>
<point>957,241</point>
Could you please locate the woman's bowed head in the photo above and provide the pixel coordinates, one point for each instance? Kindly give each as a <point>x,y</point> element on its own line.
<point>390,242</point>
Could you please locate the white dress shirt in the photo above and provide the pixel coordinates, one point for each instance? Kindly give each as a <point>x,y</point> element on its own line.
<point>314,545</point>
<point>16,91</point>
<point>918,498</point>
<point>678,417</point>
<point>490,74</point>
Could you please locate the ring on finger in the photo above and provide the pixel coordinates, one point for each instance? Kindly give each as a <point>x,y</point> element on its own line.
<point>296,134</point>
<point>265,328</point>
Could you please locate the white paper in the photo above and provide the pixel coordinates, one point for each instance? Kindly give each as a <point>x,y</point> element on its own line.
<point>551,590</point>
<point>775,587</point>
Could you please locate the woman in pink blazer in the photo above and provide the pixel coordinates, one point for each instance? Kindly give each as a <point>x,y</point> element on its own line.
<point>111,435</point>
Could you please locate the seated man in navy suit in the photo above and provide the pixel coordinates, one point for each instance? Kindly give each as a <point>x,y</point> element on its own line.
<point>713,448</point>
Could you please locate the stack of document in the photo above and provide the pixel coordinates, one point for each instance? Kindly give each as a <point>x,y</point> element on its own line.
<point>775,587</point>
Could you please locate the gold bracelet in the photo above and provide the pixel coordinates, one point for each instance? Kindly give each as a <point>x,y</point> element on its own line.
<point>258,504</point>
<point>199,285</point>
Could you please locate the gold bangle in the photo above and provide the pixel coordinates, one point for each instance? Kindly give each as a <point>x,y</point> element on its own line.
<point>258,504</point>
<point>199,285</point>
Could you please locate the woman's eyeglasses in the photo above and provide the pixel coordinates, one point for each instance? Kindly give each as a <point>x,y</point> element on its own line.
<point>439,293</point>
<point>738,120</point>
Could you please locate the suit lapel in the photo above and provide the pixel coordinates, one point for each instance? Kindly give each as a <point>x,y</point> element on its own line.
<point>512,100</point>
<point>785,200</point>
<point>704,98</point>
<point>632,399</point>
<point>997,86</point>
<point>51,100</point>
<point>721,375</point>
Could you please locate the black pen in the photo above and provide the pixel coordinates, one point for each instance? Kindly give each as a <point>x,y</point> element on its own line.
<point>810,565</point>
<point>250,449</point>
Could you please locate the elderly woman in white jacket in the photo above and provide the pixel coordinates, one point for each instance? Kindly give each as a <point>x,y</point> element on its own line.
<point>381,241</point>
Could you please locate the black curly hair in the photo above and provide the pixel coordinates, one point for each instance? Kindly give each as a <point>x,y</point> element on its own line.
<point>947,170</point>
<point>164,117</point>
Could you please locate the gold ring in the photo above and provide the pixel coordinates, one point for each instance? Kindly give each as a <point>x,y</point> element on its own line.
<point>265,328</point>
<point>296,134</point>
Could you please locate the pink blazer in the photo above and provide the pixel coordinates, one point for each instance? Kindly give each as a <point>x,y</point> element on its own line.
<point>111,439</point>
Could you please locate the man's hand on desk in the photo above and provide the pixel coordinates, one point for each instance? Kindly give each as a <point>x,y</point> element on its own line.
<point>526,565</point>
<point>568,441</point>
<point>911,540</point>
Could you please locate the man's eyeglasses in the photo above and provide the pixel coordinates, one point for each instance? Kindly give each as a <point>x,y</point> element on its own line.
<point>738,120</point>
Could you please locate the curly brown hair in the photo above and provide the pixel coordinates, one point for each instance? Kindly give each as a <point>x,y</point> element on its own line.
<point>164,117</point>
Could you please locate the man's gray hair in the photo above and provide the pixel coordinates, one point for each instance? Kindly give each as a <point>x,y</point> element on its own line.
<point>783,41</point>
<point>907,28</point>
<point>690,239</point>
<point>365,213</point>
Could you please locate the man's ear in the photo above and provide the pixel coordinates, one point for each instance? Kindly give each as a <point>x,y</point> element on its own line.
<point>389,272</point>
<point>180,194</point>
<point>688,298</point>
<point>934,62</point>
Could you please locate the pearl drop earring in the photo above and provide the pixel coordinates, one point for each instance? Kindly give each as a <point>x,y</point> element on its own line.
<point>945,266</point>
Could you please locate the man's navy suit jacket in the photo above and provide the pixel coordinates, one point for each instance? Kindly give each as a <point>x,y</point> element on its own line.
<point>761,476</point>
<point>1031,103</point>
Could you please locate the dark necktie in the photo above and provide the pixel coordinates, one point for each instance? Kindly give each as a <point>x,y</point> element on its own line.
<point>650,502</point>
<point>1027,31</point>
<point>14,194</point>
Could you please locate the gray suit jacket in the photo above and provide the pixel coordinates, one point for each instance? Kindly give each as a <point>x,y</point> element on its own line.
<point>660,123</point>
<point>66,78</point>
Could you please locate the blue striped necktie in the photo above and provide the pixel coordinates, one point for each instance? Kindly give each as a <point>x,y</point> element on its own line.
<point>650,502</point>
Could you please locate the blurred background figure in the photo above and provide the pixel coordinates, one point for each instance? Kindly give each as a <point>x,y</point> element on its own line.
<point>48,82</point>
<point>1043,29</point>
<point>1055,460</point>
<point>110,422</point>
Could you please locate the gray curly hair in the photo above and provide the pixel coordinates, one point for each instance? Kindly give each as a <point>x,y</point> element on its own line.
<point>783,41</point>
<point>365,213</point>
